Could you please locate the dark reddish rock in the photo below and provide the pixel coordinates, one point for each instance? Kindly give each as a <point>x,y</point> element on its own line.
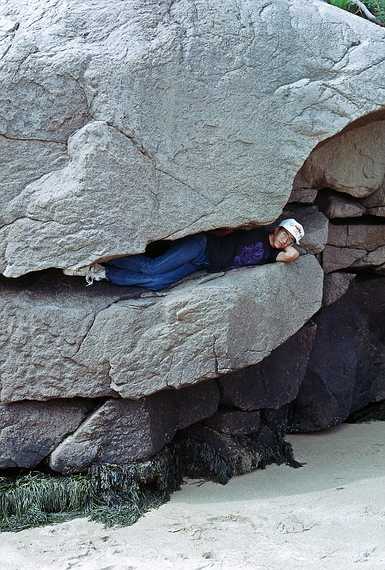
<point>234,422</point>
<point>29,431</point>
<point>346,370</point>
<point>121,431</point>
<point>335,286</point>
<point>275,381</point>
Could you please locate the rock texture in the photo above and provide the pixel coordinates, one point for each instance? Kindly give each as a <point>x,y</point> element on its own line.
<point>234,422</point>
<point>335,286</point>
<point>162,119</point>
<point>302,195</point>
<point>357,235</point>
<point>63,341</point>
<point>340,206</point>
<point>355,245</point>
<point>121,431</point>
<point>275,381</point>
<point>352,162</point>
<point>346,369</point>
<point>375,203</point>
<point>29,431</point>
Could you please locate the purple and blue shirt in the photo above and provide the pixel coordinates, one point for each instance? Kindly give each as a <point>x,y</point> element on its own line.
<point>240,248</point>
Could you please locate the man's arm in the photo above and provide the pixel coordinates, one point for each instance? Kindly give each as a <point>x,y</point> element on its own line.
<point>288,254</point>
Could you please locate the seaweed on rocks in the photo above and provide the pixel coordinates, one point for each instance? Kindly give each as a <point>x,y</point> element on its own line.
<point>210,454</point>
<point>371,412</point>
<point>36,499</point>
<point>111,494</point>
<point>126,492</point>
<point>121,494</point>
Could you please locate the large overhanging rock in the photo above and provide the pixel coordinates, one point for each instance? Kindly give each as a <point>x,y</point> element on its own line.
<point>178,116</point>
<point>62,341</point>
<point>352,162</point>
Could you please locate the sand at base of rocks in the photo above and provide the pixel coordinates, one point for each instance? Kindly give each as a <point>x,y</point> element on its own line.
<point>330,514</point>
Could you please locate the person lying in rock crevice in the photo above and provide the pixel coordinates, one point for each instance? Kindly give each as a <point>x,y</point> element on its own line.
<point>213,251</point>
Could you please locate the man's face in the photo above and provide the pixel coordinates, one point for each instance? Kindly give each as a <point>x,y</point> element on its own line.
<point>282,238</point>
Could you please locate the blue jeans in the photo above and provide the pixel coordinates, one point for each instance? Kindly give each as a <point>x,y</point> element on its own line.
<point>183,258</point>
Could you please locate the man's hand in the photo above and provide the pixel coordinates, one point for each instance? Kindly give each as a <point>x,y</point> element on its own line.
<point>288,254</point>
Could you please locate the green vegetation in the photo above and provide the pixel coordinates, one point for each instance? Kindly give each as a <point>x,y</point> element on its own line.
<point>36,499</point>
<point>344,4</point>
<point>376,7</point>
<point>120,494</point>
<point>111,494</point>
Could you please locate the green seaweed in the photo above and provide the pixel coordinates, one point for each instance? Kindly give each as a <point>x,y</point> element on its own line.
<point>121,494</point>
<point>35,499</point>
<point>111,494</point>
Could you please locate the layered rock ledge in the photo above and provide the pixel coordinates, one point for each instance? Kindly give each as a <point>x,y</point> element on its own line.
<point>64,341</point>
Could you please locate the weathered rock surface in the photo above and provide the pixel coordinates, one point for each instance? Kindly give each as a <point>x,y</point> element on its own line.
<point>315,224</point>
<point>357,245</point>
<point>352,162</point>
<point>24,161</point>
<point>126,123</point>
<point>337,258</point>
<point>121,431</point>
<point>377,211</point>
<point>60,340</point>
<point>372,260</point>
<point>29,431</point>
<point>340,206</point>
<point>375,203</point>
<point>177,117</point>
<point>358,235</point>
<point>275,381</point>
<point>346,370</point>
<point>335,286</point>
<point>234,422</point>
<point>303,195</point>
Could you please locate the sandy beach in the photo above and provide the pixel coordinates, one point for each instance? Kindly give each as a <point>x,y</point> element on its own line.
<point>330,514</point>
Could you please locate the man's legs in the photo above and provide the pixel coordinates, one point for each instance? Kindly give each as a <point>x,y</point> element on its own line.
<point>189,250</point>
<point>126,277</point>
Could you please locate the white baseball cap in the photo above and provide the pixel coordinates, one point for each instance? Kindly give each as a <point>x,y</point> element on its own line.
<point>294,228</point>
